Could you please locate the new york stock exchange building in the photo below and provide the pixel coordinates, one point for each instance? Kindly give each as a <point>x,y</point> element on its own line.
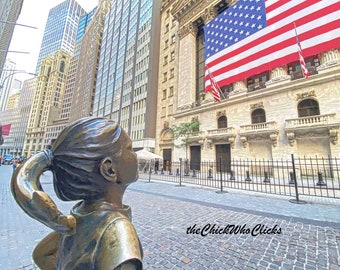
<point>276,67</point>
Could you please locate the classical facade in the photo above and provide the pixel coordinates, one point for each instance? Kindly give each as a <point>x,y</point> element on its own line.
<point>265,116</point>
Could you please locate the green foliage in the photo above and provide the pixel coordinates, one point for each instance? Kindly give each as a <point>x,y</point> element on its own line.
<point>185,132</point>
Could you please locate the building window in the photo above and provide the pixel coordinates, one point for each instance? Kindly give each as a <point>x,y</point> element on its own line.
<point>294,69</point>
<point>308,107</point>
<point>171,91</point>
<point>222,122</point>
<point>62,66</point>
<point>172,58</point>
<point>164,94</point>
<point>258,116</point>
<point>172,73</point>
<point>258,81</point>
<point>173,39</point>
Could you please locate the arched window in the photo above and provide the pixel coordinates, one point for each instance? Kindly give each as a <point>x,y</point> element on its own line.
<point>222,122</point>
<point>258,116</point>
<point>308,107</point>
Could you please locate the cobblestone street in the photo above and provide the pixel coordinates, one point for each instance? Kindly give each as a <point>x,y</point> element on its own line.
<point>171,221</point>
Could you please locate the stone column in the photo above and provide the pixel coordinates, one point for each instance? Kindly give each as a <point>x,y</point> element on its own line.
<point>187,65</point>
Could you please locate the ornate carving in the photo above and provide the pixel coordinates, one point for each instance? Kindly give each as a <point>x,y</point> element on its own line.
<point>305,95</point>
<point>220,113</point>
<point>256,105</point>
<point>206,143</point>
<point>209,14</point>
<point>333,135</point>
<point>244,141</point>
<point>190,28</point>
<point>291,138</point>
<point>232,141</point>
<point>273,137</point>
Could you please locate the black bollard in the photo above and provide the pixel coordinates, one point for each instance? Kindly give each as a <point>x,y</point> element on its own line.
<point>210,173</point>
<point>266,179</point>
<point>193,173</point>
<point>247,178</point>
<point>292,178</point>
<point>320,180</point>
<point>232,176</point>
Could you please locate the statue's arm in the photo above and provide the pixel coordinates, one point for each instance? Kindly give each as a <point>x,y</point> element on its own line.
<point>30,196</point>
<point>45,253</point>
<point>119,248</point>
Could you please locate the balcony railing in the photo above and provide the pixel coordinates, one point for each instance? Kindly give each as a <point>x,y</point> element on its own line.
<point>310,121</point>
<point>266,126</point>
<point>222,131</point>
<point>256,86</point>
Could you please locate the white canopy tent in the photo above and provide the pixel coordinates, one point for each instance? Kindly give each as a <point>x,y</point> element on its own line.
<point>146,155</point>
<point>147,159</point>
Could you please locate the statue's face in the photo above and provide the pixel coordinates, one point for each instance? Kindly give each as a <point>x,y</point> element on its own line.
<point>128,167</point>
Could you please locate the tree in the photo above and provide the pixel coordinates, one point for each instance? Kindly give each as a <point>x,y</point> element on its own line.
<point>185,132</point>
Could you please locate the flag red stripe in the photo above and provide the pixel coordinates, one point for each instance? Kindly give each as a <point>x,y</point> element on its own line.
<point>273,34</point>
<point>289,42</point>
<point>292,10</point>
<point>276,5</point>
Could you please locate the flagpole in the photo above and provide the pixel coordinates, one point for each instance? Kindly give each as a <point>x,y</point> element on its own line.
<point>302,60</point>
<point>214,84</point>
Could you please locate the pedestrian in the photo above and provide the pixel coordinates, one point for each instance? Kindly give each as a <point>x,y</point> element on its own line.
<point>15,163</point>
<point>92,160</point>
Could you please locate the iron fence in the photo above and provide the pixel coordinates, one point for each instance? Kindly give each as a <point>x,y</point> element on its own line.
<point>298,176</point>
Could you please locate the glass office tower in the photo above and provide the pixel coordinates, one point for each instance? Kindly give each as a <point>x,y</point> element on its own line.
<point>61,29</point>
<point>126,89</point>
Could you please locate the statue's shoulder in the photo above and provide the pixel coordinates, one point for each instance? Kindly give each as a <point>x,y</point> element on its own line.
<point>119,243</point>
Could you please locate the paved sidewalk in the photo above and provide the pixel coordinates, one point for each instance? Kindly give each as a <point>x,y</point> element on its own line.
<point>167,218</point>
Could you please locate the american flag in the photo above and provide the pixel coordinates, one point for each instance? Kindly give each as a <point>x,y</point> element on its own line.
<point>302,60</point>
<point>215,89</point>
<point>254,36</point>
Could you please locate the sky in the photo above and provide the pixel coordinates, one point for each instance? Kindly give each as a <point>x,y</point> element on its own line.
<point>34,13</point>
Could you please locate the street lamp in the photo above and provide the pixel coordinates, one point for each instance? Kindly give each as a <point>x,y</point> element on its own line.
<point>11,73</point>
<point>18,24</point>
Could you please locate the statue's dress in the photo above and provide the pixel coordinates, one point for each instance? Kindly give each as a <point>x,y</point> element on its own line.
<point>104,239</point>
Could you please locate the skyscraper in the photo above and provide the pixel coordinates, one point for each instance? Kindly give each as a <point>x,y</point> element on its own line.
<point>6,80</point>
<point>61,29</point>
<point>9,13</point>
<point>126,89</point>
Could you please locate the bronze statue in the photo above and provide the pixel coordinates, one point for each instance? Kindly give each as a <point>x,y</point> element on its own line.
<point>92,161</point>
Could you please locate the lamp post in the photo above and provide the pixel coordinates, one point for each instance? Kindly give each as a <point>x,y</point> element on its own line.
<point>2,85</point>
<point>18,24</point>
